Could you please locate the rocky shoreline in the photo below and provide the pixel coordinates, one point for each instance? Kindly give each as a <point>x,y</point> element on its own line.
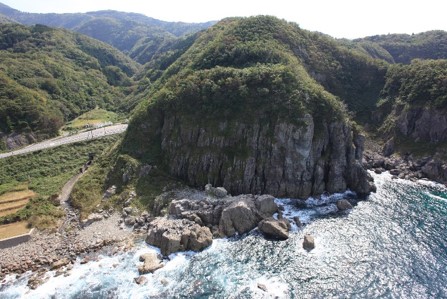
<point>58,251</point>
<point>407,167</point>
<point>191,222</point>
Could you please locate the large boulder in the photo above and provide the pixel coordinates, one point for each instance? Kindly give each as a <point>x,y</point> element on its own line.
<point>241,216</point>
<point>151,263</point>
<point>278,229</point>
<point>218,192</point>
<point>266,205</point>
<point>229,216</point>
<point>173,235</point>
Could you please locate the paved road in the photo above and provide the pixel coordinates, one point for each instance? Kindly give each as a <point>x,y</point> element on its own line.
<point>89,135</point>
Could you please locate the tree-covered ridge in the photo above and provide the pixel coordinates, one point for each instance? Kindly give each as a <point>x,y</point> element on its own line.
<point>422,83</point>
<point>403,47</point>
<point>242,68</point>
<point>49,76</point>
<point>347,72</point>
<point>131,33</point>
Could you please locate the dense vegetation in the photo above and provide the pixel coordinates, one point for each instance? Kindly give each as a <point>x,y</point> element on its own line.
<point>46,172</point>
<point>403,47</point>
<point>422,83</point>
<point>49,76</point>
<point>131,33</point>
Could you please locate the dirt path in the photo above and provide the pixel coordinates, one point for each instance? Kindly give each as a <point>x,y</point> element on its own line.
<point>58,141</point>
<point>71,217</point>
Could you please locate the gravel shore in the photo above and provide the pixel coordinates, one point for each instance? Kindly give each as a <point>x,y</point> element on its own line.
<point>49,251</point>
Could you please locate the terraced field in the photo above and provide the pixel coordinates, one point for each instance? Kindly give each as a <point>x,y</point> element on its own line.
<point>11,202</point>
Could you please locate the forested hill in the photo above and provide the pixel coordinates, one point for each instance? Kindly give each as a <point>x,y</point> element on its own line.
<point>404,47</point>
<point>49,76</point>
<point>122,30</point>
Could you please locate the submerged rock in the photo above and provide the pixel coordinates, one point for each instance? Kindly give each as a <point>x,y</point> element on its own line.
<point>309,242</point>
<point>140,280</point>
<point>343,204</point>
<point>273,228</point>
<point>173,235</point>
<point>151,263</point>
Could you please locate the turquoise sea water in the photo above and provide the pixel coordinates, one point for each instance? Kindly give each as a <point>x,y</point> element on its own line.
<point>392,245</point>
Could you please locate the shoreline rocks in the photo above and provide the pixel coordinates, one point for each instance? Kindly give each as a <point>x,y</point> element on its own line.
<point>151,263</point>
<point>407,167</point>
<point>46,251</point>
<point>173,235</point>
<point>277,229</point>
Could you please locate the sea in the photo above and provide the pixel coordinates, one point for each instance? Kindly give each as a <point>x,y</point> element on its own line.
<point>391,245</point>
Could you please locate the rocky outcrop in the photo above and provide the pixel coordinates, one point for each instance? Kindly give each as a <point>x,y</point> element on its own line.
<point>228,216</point>
<point>278,229</point>
<point>173,235</point>
<point>15,140</point>
<point>435,169</point>
<point>151,263</point>
<point>407,167</point>
<point>423,124</point>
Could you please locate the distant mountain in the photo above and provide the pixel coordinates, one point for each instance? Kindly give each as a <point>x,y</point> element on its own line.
<point>119,29</point>
<point>5,20</point>
<point>403,48</point>
<point>49,76</point>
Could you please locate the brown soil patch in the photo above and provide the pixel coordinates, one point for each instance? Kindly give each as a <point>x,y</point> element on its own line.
<point>17,195</point>
<point>13,229</point>
<point>11,202</point>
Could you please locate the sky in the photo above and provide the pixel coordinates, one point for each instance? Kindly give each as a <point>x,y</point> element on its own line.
<point>338,18</point>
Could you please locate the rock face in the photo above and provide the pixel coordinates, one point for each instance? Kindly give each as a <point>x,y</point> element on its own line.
<point>275,157</point>
<point>173,235</point>
<point>273,228</point>
<point>15,140</point>
<point>423,124</point>
<point>292,162</point>
<point>151,263</point>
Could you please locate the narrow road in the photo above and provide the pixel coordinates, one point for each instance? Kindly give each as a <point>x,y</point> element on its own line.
<point>58,141</point>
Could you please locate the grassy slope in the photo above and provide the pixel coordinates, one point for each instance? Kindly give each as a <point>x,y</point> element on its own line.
<point>46,172</point>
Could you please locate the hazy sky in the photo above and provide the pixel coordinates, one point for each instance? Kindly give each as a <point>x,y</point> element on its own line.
<point>338,18</point>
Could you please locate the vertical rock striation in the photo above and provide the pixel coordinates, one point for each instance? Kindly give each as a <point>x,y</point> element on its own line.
<point>279,158</point>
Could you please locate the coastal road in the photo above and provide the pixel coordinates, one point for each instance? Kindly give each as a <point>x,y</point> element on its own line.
<point>58,141</point>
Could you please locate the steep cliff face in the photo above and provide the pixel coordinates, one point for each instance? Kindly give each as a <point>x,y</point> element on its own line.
<point>277,157</point>
<point>423,124</point>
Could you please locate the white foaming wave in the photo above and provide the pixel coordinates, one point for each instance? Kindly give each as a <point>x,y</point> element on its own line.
<point>274,288</point>
<point>435,196</point>
<point>433,184</point>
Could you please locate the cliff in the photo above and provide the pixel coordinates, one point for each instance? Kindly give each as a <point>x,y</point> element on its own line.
<point>250,119</point>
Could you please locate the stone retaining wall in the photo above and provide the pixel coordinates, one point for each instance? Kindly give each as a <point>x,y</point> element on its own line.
<point>13,241</point>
